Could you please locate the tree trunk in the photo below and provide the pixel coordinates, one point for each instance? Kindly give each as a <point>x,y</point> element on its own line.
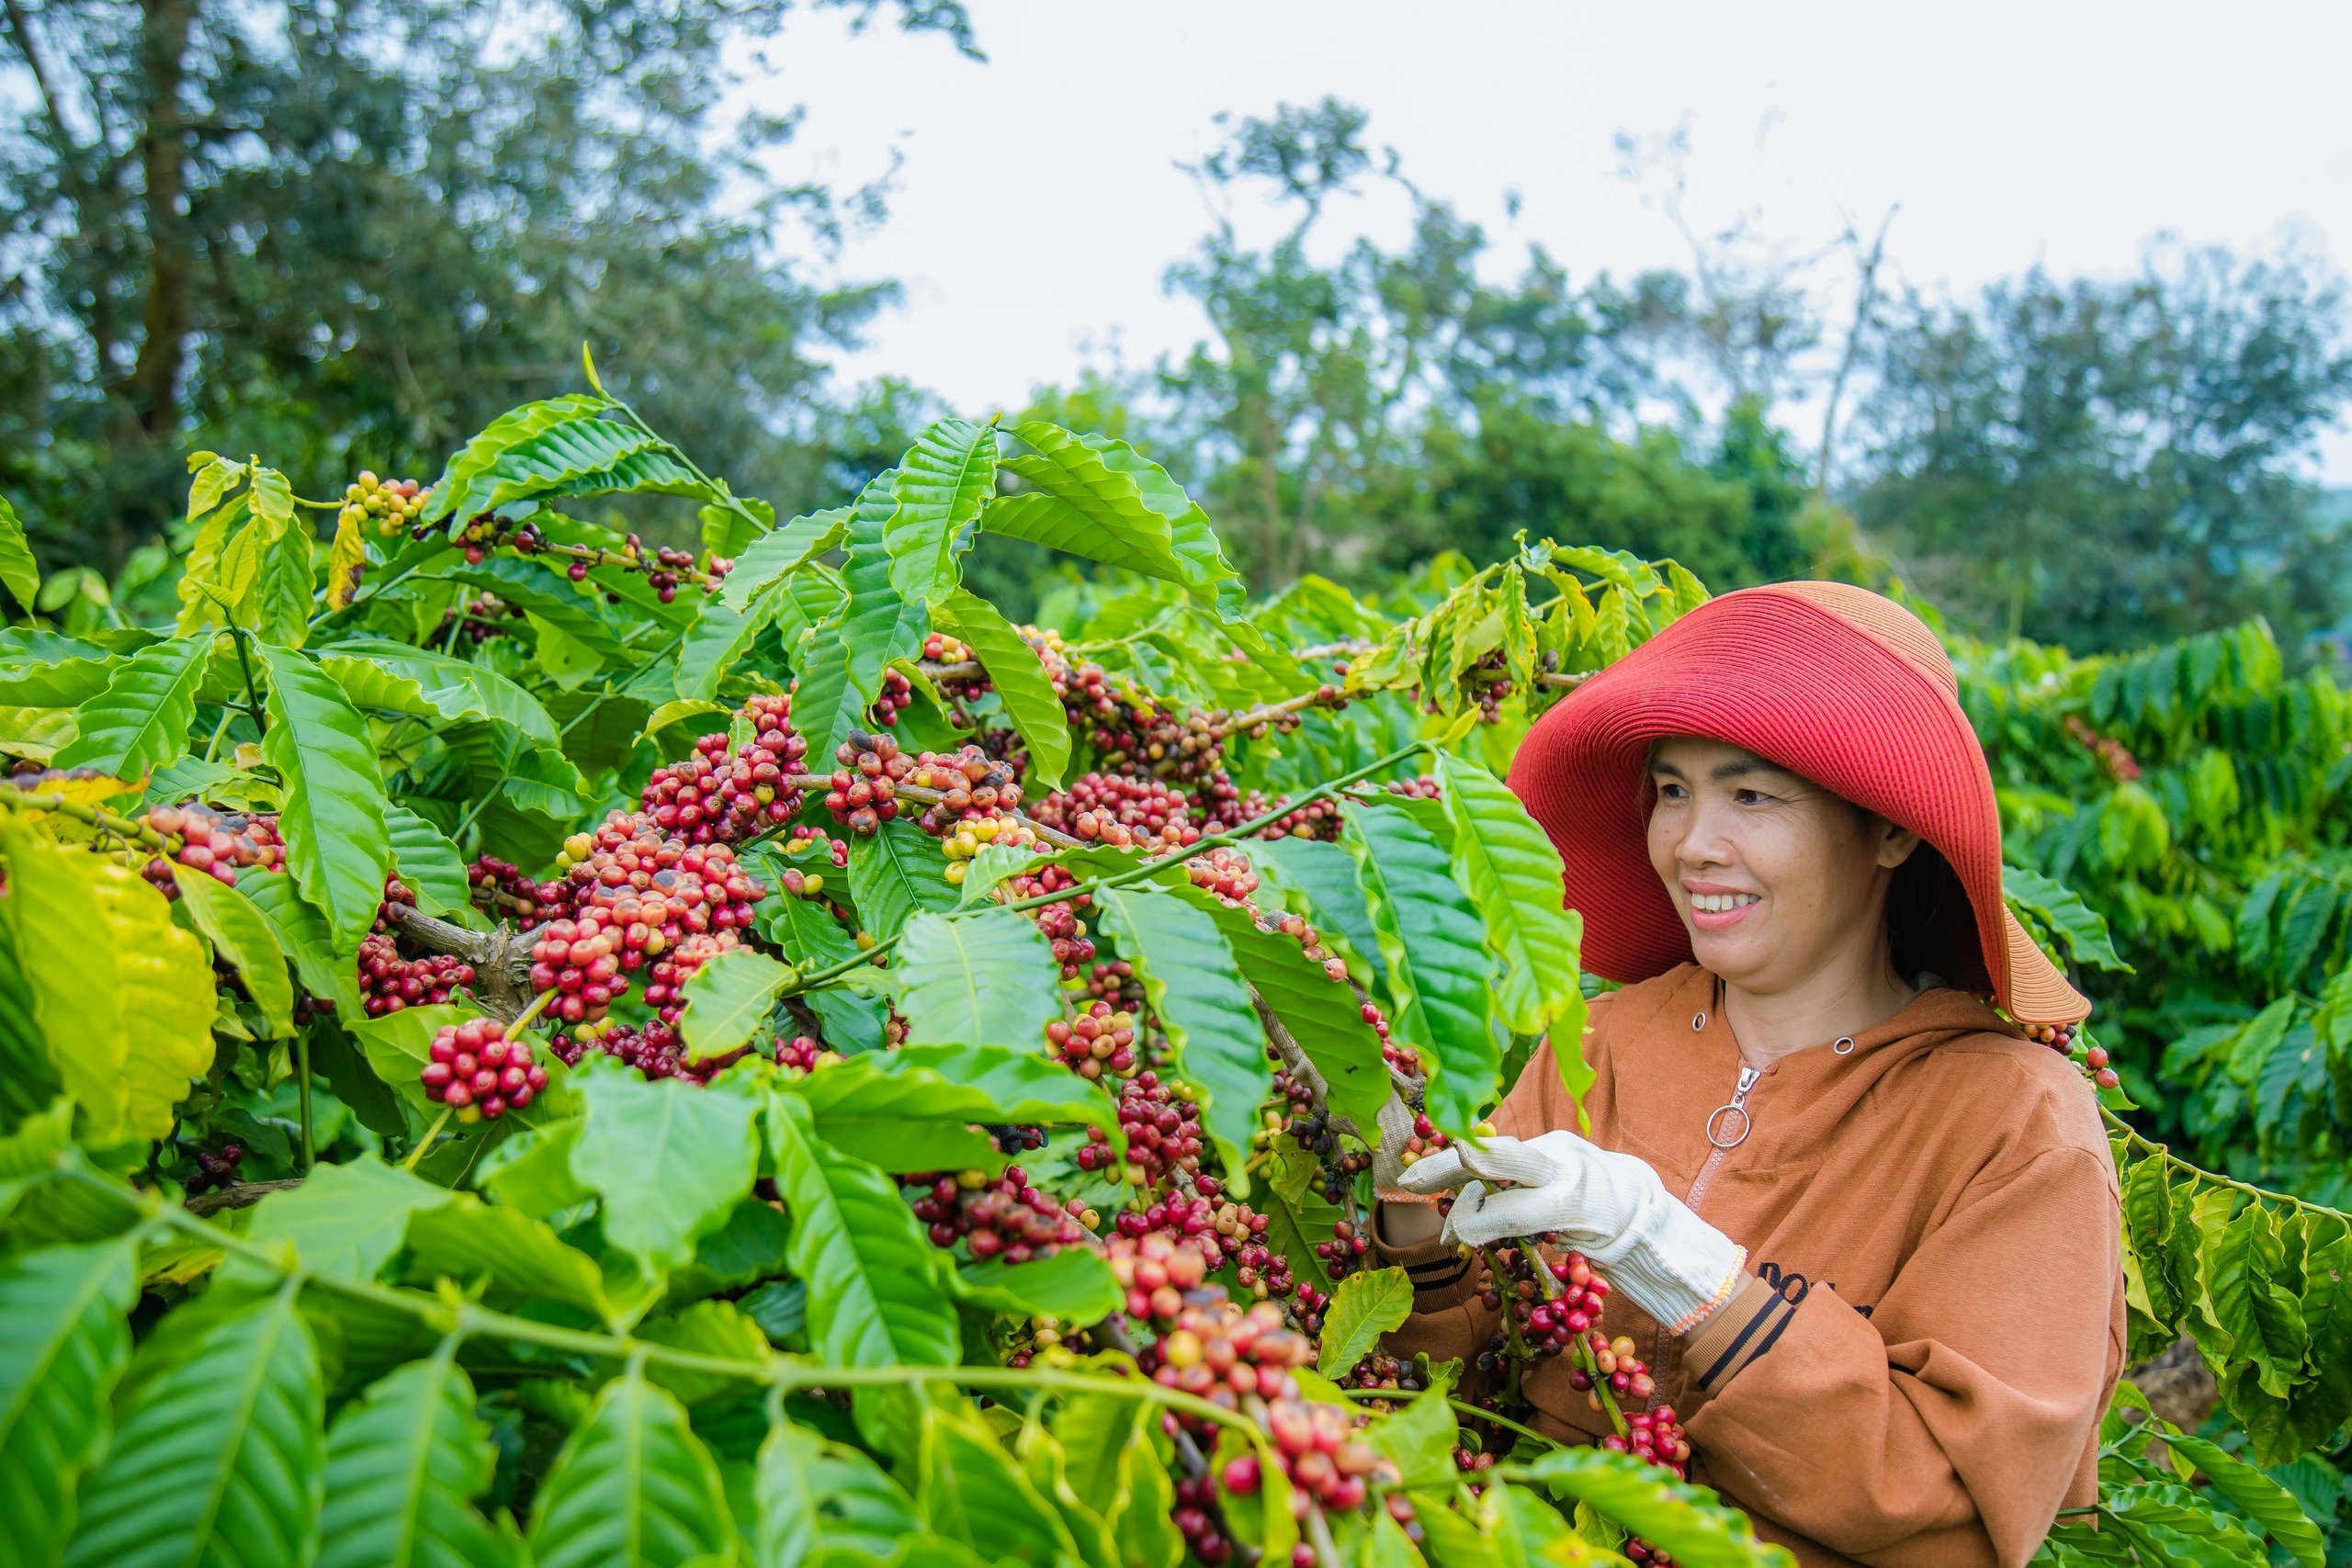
<point>152,390</point>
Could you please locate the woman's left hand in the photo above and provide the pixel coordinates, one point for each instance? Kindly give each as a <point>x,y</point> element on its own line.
<point>1612,1207</point>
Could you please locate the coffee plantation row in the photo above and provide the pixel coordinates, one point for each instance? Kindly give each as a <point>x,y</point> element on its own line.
<point>519,1045</point>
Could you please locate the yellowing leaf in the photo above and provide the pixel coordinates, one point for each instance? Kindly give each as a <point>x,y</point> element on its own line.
<point>124,996</point>
<point>345,561</point>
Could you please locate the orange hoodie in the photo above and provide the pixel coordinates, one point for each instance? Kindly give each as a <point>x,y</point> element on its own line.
<point>1914,1373</point>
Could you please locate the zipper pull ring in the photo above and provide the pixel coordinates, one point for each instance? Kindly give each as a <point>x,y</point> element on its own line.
<point>1733,1114</point>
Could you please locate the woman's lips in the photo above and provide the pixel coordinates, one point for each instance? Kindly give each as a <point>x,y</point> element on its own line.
<point>1722,919</point>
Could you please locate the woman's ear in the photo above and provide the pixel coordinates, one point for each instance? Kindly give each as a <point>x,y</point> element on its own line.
<point>1893,845</point>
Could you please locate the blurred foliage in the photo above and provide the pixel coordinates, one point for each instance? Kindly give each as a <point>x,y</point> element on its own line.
<point>349,235</point>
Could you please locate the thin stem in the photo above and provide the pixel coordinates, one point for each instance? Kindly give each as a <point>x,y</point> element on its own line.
<point>1134,873</point>
<point>2131,1136</point>
<point>303,1092</point>
<point>425,1142</point>
<point>785,1372</point>
<point>254,709</point>
<point>16,799</point>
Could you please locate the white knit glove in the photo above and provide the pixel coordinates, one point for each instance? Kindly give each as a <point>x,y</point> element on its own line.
<point>1611,1207</point>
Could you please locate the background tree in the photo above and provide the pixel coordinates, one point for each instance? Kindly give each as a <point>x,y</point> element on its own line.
<point>349,234</point>
<point>2103,464</point>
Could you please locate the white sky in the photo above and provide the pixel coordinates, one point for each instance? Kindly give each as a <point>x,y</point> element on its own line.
<point>1039,202</point>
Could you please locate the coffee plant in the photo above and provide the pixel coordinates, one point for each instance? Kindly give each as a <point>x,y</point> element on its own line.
<point>521,1043</point>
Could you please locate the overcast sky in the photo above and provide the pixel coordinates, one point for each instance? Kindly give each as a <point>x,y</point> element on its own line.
<point>1039,201</point>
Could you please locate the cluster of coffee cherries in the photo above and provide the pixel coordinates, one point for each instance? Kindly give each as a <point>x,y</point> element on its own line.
<point>1063,928</point>
<point>1548,1322</point>
<point>1125,726</point>
<point>668,567</point>
<point>1122,810</point>
<point>1007,1217</point>
<point>1098,1041</point>
<point>475,1070</point>
<point>580,960</point>
<point>940,649</point>
<point>721,794</point>
<point>221,842</point>
<point>216,1168</point>
<point>2066,1039</point>
<point>501,887</point>
<point>972,786</point>
<point>389,983</point>
<point>1162,1127</point>
<point>655,888</point>
<point>652,1049</point>
<point>2112,754</point>
<point>1344,1253</point>
<point>388,505</point>
<point>1220,1228</point>
<point>1226,871</point>
<point>488,530</point>
<point>974,833</point>
<point>865,787</point>
<point>802,1052</point>
<point>477,620</point>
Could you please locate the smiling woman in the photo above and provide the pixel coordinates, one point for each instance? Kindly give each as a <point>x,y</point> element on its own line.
<point>1819,1131</point>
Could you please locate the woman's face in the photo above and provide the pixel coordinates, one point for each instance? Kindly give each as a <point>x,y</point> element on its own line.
<point>1775,877</point>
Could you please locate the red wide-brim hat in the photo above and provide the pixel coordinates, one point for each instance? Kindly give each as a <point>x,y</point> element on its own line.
<point>1834,682</point>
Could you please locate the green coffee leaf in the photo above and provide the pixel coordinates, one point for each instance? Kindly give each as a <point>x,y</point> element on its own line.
<point>1074,1285</point>
<point>874,1296</point>
<point>780,552</point>
<point>1022,1084</point>
<point>2062,912</point>
<point>2264,1500</point>
<point>634,1485</point>
<point>1188,975</point>
<point>669,1158</point>
<point>898,873</point>
<point>981,980</point>
<point>1440,970</point>
<point>242,939</point>
<point>1514,875</point>
<point>532,1170</point>
<point>519,1258</point>
<point>817,1496</point>
<point>1364,1307</point>
<point>343,1220</point>
<point>404,1466</point>
<point>221,1441</point>
<point>557,448</point>
<point>427,863</point>
<point>336,844</point>
<point>1020,677</point>
<point>20,574</point>
<point>140,722</point>
<point>65,1339</point>
<point>122,995</point>
<point>912,1120</point>
<point>972,1491</point>
<point>1321,1013</point>
<point>712,1328</point>
<point>1687,1521</point>
<point>728,999</point>
<point>943,480</point>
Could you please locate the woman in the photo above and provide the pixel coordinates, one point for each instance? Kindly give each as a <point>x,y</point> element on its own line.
<point>1864,1233</point>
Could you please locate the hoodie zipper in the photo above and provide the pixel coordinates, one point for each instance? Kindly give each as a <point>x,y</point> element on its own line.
<point>1748,1079</point>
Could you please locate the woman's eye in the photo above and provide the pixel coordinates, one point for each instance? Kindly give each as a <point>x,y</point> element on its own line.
<point>1670,792</point>
<point>1750,796</point>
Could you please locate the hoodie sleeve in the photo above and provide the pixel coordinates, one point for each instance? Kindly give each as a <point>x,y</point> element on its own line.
<point>1949,1425</point>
